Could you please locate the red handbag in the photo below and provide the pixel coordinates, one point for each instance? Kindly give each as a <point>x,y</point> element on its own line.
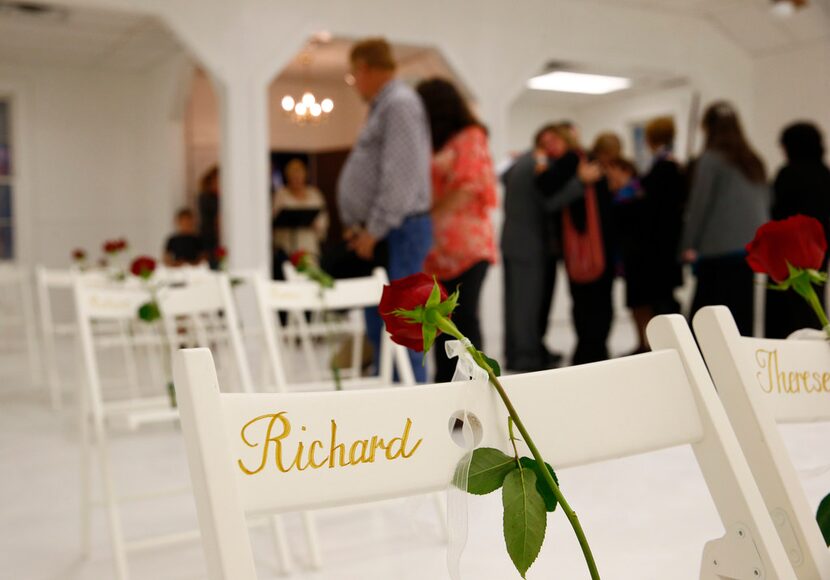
<point>583,251</point>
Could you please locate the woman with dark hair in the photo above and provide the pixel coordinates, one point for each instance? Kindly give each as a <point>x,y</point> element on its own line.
<point>578,196</point>
<point>463,193</point>
<point>801,187</point>
<point>729,200</point>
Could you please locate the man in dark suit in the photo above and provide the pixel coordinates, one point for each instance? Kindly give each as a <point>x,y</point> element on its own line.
<point>530,250</point>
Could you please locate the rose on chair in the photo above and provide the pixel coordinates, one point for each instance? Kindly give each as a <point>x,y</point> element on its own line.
<point>416,309</point>
<point>791,252</point>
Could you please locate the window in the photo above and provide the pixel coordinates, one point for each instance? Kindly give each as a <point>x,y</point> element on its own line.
<point>6,183</point>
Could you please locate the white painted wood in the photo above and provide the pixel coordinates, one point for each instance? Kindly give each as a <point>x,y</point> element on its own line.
<point>96,302</point>
<point>761,383</point>
<point>15,281</point>
<point>206,296</point>
<point>298,297</point>
<point>578,415</point>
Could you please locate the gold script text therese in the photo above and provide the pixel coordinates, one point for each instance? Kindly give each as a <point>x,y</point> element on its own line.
<point>319,454</point>
<point>773,379</point>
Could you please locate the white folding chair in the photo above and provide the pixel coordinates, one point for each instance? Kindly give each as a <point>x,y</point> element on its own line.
<point>113,306</point>
<point>48,281</point>
<point>298,297</point>
<point>763,382</point>
<point>285,451</point>
<point>18,311</point>
<point>202,313</point>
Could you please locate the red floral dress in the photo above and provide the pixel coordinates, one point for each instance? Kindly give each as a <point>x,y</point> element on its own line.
<point>464,236</point>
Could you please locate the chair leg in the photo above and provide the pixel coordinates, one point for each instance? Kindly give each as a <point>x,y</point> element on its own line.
<point>31,333</point>
<point>286,563</point>
<point>86,479</point>
<point>119,548</point>
<point>129,360</point>
<point>313,541</point>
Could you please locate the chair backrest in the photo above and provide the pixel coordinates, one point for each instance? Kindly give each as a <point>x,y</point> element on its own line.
<point>761,382</point>
<point>204,305</point>
<point>290,451</point>
<point>99,303</point>
<point>300,296</point>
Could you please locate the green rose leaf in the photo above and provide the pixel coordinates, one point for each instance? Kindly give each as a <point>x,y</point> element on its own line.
<point>525,518</point>
<point>488,469</point>
<point>541,485</point>
<point>447,306</point>
<point>823,518</point>
<point>435,295</point>
<point>493,364</point>
<point>430,331</point>
<point>149,312</point>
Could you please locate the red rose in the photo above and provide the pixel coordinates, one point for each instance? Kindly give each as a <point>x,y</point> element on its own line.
<point>110,246</point>
<point>121,244</point>
<point>298,257</point>
<point>143,266</point>
<point>78,255</point>
<point>798,240</point>
<point>220,253</point>
<point>407,294</point>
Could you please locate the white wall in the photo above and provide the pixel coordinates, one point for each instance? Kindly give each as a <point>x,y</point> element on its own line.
<point>619,114</point>
<point>524,119</point>
<point>790,86</point>
<point>102,158</point>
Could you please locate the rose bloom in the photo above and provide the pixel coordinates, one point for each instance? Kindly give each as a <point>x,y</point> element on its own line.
<point>143,266</point>
<point>298,257</point>
<point>799,240</point>
<point>220,253</point>
<point>407,294</point>
<point>78,255</point>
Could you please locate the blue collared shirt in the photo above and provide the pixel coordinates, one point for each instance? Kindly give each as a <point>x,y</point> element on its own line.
<point>387,175</point>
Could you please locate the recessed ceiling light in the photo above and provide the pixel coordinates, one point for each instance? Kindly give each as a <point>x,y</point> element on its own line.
<point>570,82</point>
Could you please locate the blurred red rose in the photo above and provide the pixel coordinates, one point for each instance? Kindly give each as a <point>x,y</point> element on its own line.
<point>799,240</point>
<point>78,255</point>
<point>407,294</point>
<point>143,266</point>
<point>220,253</point>
<point>298,257</point>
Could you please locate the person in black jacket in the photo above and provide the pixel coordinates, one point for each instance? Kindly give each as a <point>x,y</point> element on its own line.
<point>564,183</point>
<point>649,218</point>
<point>802,186</point>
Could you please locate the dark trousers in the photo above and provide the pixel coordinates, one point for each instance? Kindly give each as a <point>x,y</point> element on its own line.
<point>528,293</point>
<point>408,246</point>
<point>465,317</point>
<point>726,281</point>
<point>787,312</point>
<point>592,313</point>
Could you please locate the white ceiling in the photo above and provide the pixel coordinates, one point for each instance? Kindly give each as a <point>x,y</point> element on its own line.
<point>84,38</point>
<point>750,23</point>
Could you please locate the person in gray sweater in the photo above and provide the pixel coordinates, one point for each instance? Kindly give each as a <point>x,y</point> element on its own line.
<point>729,200</point>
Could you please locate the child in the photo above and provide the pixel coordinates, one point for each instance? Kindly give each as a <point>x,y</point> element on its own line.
<point>184,246</point>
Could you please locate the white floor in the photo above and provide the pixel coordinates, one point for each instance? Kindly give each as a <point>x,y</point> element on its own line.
<point>646,518</point>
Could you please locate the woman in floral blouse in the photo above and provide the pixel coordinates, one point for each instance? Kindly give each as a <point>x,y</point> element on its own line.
<point>463,193</point>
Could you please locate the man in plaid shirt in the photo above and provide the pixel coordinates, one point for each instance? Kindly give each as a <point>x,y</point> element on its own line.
<point>384,191</point>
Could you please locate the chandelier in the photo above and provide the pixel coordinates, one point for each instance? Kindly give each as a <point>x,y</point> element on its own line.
<point>307,109</point>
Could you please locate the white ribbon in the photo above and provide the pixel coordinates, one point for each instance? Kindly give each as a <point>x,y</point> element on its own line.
<point>457,522</point>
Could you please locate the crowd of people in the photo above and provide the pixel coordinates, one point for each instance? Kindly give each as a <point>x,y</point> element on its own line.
<point>417,189</point>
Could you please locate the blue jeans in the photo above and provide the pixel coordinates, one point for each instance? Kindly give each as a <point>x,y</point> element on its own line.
<point>409,245</point>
